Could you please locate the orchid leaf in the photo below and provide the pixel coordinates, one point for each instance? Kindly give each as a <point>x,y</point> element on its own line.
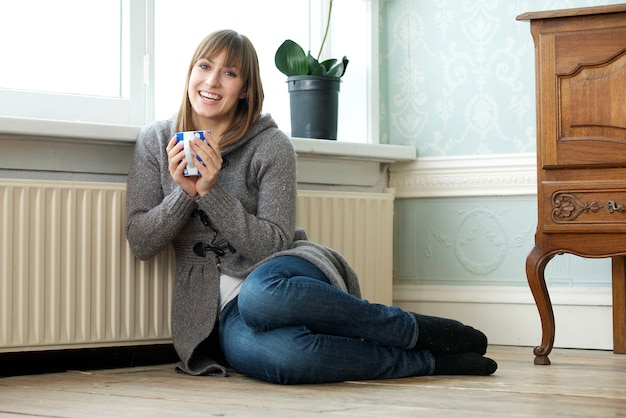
<point>290,59</point>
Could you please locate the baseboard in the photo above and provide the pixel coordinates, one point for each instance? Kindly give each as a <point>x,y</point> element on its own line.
<point>508,315</point>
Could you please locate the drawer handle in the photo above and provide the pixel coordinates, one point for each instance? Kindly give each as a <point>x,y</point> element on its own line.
<point>615,207</point>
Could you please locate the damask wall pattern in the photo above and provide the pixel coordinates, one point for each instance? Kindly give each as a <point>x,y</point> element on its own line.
<point>457,76</point>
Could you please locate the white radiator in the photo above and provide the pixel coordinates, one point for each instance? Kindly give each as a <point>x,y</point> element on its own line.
<point>69,280</point>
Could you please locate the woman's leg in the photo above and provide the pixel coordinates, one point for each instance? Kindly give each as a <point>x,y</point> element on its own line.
<point>290,291</point>
<point>294,354</point>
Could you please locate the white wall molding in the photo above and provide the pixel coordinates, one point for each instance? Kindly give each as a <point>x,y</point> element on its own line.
<point>498,175</point>
<point>509,316</point>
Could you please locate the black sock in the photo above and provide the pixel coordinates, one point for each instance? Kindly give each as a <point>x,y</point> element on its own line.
<point>464,364</point>
<point>441,335</point>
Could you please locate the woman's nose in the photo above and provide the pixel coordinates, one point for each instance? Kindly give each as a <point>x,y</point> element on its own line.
<point>212,78</point>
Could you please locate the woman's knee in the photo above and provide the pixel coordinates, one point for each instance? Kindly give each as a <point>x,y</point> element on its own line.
<point>255,298</point>
<point>260,290</point>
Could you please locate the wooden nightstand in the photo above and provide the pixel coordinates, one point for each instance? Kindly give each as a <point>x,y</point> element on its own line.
<point>580,57</point>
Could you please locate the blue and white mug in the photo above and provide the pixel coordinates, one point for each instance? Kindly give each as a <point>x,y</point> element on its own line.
<point>190,155</point>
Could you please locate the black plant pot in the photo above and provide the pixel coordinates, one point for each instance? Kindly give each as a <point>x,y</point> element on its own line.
<point>314,105</point>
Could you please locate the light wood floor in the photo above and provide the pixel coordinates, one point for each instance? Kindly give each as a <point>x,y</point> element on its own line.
<point>579,383</point>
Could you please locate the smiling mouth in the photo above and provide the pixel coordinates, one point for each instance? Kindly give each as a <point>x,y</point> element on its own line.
<point>210,96</point>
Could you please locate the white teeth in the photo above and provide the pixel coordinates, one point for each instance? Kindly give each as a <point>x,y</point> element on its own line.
<point>206,95</point>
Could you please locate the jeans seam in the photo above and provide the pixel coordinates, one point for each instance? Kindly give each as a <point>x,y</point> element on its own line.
<point>415,335</point>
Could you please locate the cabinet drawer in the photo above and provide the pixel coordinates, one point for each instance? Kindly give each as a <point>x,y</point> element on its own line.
<point>583,206</point>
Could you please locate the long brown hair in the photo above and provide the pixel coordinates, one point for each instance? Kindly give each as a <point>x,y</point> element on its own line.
<point>238,52</point>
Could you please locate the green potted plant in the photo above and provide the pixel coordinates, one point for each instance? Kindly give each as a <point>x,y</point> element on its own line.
<point>313,87</point>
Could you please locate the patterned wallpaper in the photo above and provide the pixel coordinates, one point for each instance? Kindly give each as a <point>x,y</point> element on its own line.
<point>457,80</point>
<point>457,76</point>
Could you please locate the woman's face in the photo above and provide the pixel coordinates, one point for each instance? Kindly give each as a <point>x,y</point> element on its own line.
<point>214,91</point>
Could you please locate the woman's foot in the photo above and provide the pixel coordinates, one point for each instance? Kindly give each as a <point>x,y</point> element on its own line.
<point>441,335</point>
<point>464,364</point>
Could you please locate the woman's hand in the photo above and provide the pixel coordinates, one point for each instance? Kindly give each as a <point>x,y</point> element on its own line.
<point>177,162</point>
<point>209,152</point>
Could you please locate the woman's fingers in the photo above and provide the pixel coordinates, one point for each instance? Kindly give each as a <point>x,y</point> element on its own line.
<point>211,162</point>
<point>177,164</point>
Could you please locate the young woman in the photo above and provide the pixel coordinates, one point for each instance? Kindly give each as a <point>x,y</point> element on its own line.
<point>251,292</point>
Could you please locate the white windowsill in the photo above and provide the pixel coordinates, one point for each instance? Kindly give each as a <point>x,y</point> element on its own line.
<point>58,129</point>
<point>11,127</point>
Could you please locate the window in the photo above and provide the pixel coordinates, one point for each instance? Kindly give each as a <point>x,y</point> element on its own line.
<point>83,65</point>
<point>125,61</point>
<point>267,24</point>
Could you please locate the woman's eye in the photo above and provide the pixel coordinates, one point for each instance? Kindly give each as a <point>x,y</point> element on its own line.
<point>204,66</point>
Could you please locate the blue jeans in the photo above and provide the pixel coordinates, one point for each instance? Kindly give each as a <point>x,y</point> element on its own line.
<point>289,325</point>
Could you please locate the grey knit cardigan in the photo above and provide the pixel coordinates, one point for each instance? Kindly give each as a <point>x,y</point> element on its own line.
<point>249,213</point>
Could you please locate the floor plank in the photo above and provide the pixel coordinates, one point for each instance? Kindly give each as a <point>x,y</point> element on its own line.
<point>579,383</point>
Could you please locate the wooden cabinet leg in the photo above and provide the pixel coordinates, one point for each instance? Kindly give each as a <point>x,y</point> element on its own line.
<point>619,305</point>
<point>535,266</point>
